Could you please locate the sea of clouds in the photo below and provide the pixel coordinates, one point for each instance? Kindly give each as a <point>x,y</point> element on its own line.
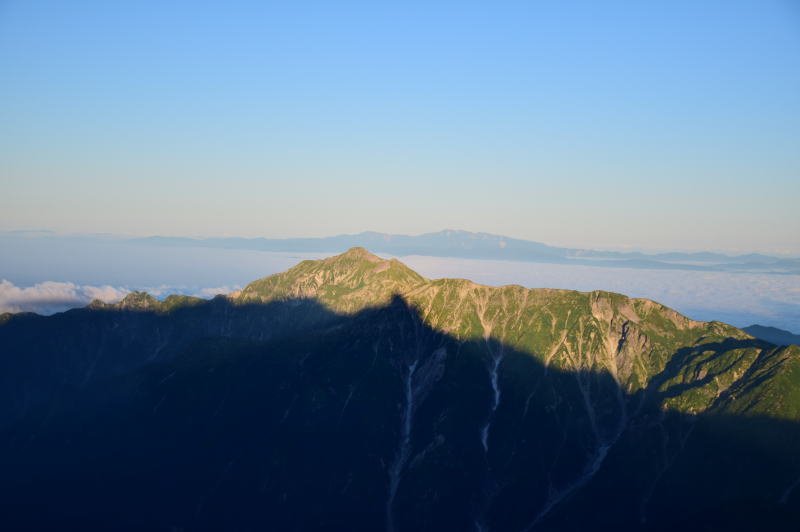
<point>52,296</point>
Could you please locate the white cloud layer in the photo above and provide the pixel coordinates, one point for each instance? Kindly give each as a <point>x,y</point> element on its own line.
<point>51,296</point>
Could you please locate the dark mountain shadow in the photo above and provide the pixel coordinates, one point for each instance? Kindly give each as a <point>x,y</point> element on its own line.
<point>44,356</point>
<point>288,416</point>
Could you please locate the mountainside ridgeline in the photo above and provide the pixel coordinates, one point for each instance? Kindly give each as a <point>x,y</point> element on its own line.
<point>351,393</point>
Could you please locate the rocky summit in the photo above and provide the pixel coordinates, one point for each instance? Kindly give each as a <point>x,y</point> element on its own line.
<point>351,393</point>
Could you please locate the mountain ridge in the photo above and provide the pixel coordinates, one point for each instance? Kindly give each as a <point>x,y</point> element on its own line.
<point>773,335</point>
<point>350,392</point>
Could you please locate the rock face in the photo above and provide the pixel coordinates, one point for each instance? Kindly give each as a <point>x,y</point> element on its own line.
<point>353,394</point>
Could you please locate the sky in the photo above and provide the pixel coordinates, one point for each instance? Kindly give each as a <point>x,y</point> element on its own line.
<point>654,125</point>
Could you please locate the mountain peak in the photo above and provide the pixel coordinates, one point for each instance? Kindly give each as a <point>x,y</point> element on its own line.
<point>347,282</point>
<point>359,252</point>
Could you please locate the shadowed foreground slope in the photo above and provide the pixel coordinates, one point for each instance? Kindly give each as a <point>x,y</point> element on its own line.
<point>353,394</point>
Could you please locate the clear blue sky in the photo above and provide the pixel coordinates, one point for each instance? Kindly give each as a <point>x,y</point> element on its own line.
<point>670,124</point>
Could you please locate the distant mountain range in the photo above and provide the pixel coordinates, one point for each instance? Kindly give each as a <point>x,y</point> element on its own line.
<point>351,393</point>
<point>464,244</point>
<point>773,335</point>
